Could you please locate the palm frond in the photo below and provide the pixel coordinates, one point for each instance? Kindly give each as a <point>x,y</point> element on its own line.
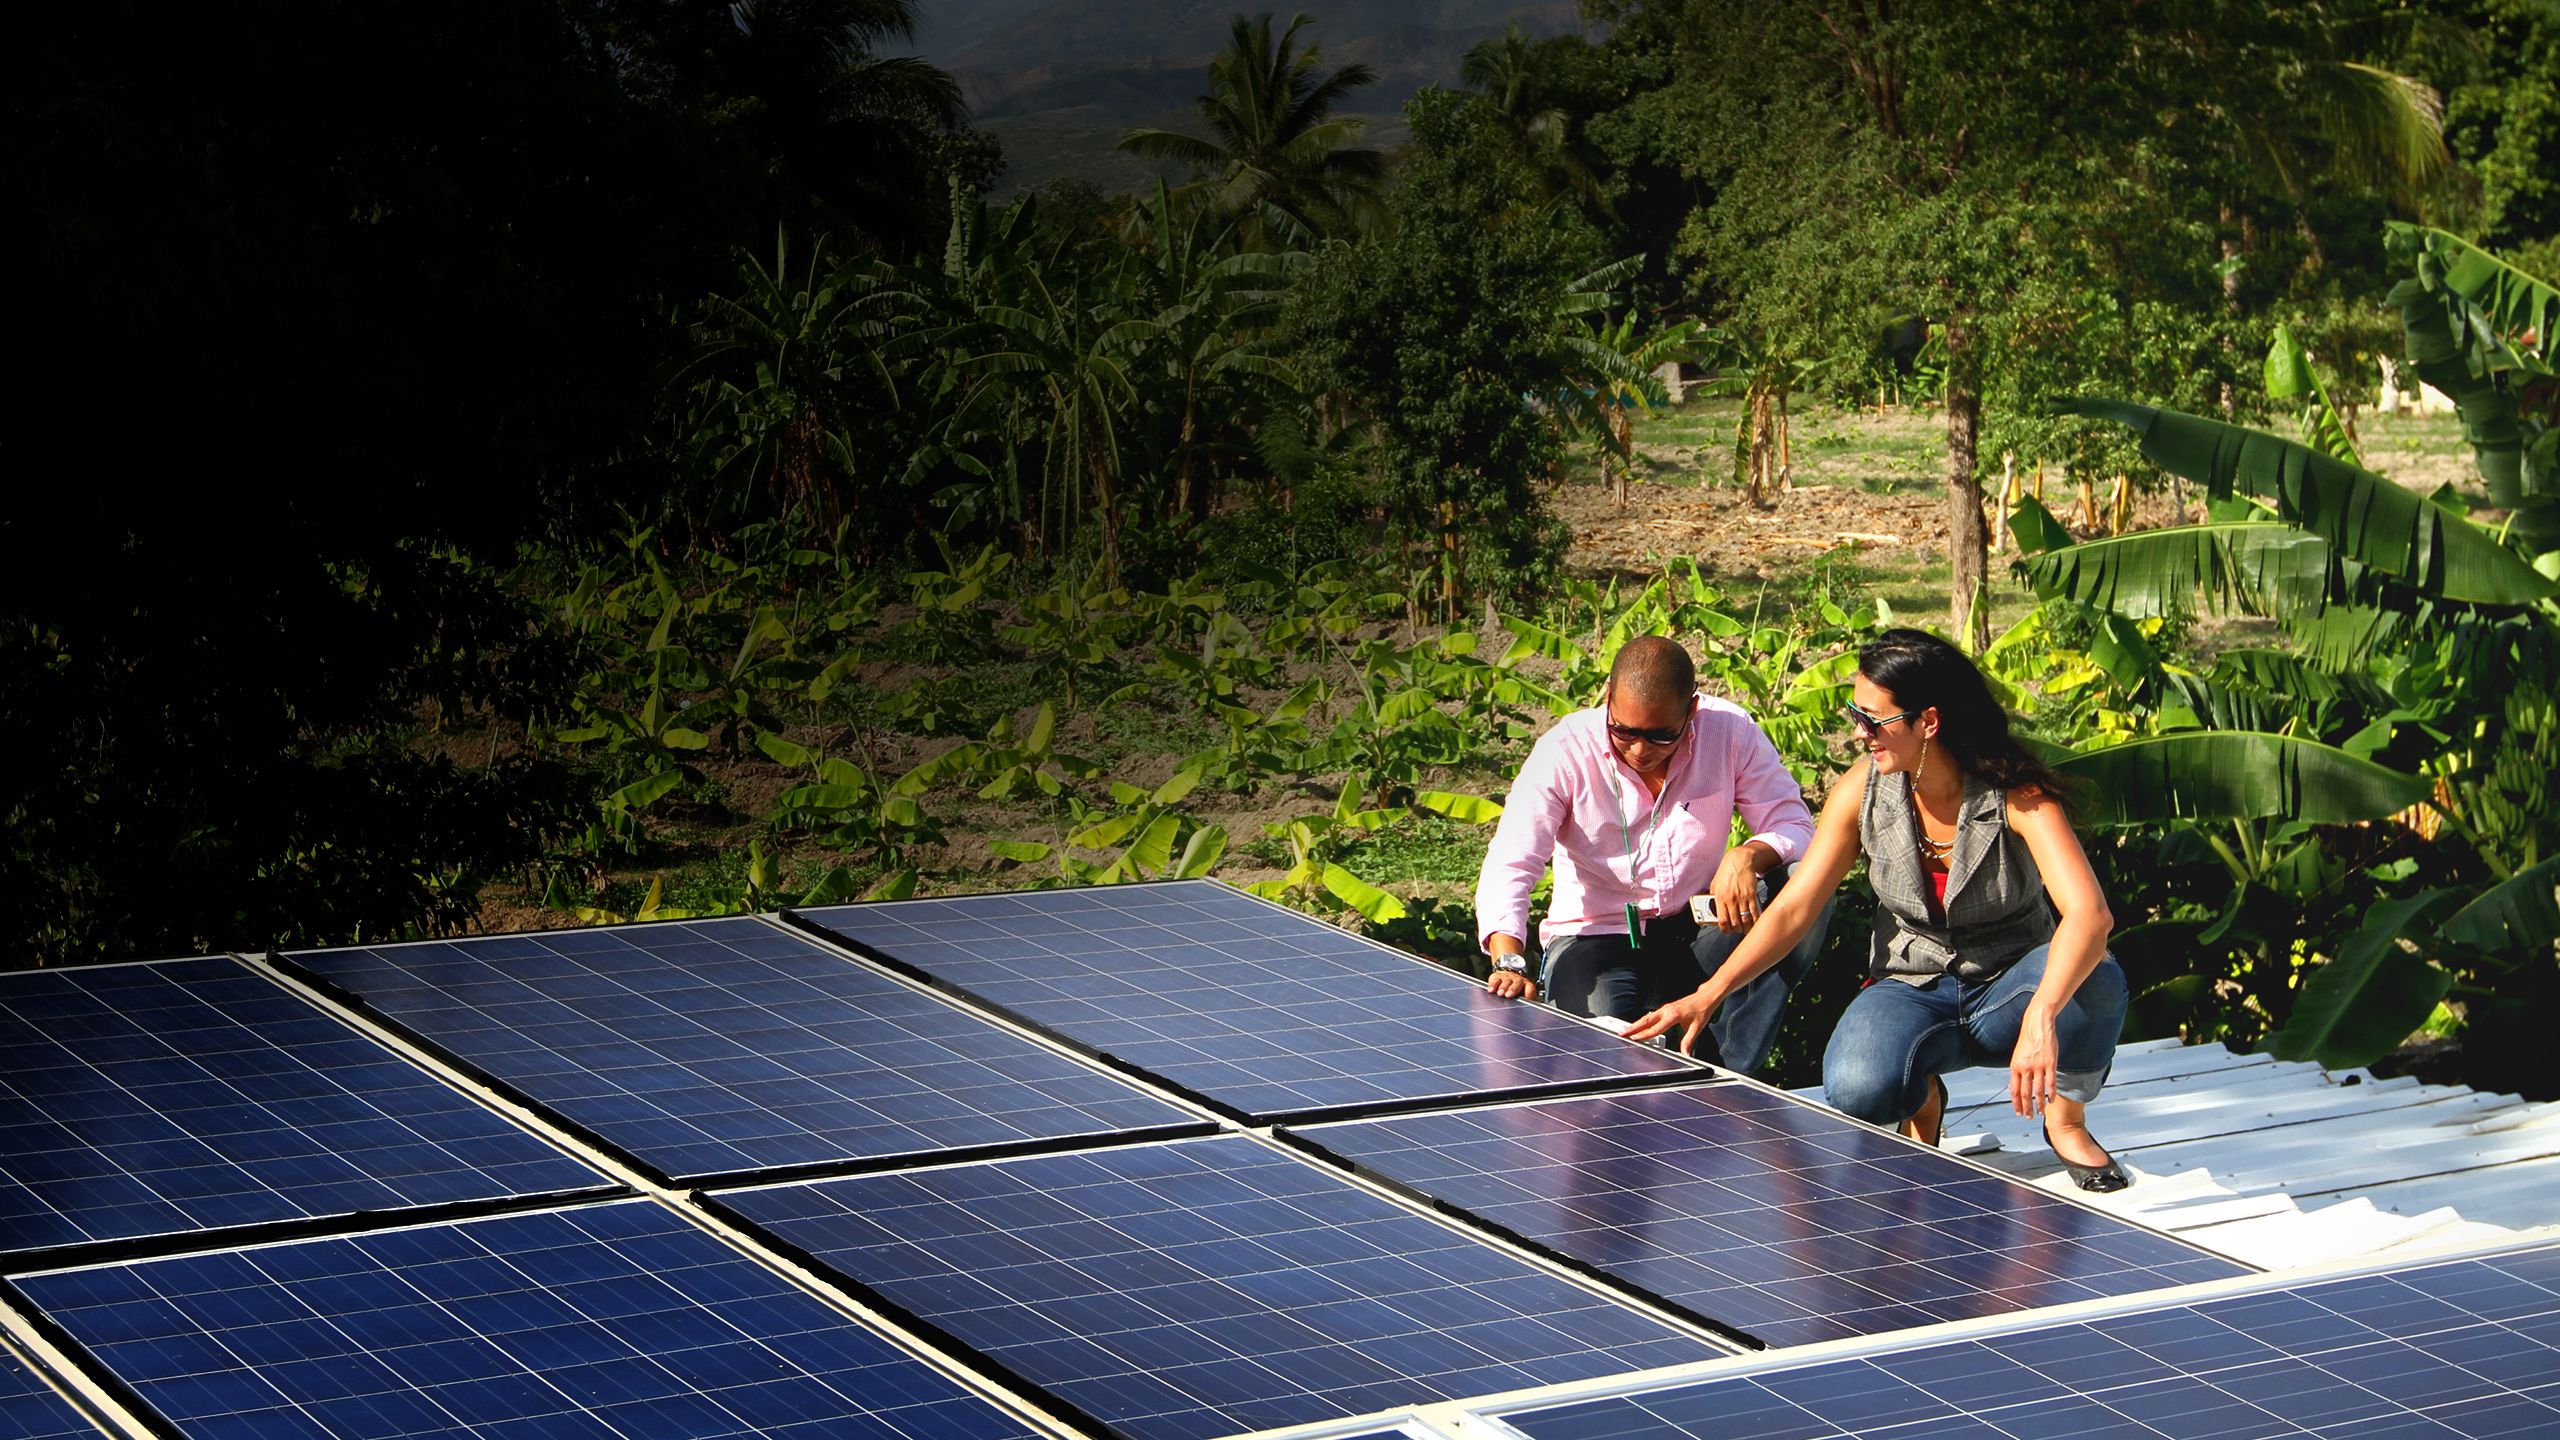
<point>2381,127</point>
<point>1172,147</point>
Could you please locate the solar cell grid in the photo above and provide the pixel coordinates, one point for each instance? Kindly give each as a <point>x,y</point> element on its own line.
<point>1265,1013</point>
<point>2464,1350</point>
<point>141,1101</point>
<point>1763,1214</point>
<point>616,1320</point>
<point>727,1047</point>
<point>31,1410</point>
<point>1206,1287</point>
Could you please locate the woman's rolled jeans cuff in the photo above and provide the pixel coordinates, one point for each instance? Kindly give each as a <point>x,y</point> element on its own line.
<point>2081,1086</point>
<point>1895,1035</point>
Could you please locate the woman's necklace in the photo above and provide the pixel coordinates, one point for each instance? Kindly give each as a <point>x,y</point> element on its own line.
<point>1937,850</point>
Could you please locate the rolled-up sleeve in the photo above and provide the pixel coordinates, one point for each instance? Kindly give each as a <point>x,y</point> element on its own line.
<point>1523,841</point>
<point>1767,796</point>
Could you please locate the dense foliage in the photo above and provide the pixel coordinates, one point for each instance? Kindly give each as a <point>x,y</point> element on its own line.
<point>619,383</point>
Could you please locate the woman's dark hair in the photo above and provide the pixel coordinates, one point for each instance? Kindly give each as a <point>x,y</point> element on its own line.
<point>1922,670</point>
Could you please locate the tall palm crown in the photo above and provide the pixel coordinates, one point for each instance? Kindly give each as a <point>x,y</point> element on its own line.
<point>1508,71</point>
<point>1276,152</point>
<point>847,137</point>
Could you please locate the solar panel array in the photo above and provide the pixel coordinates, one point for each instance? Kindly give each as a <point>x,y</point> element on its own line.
<point>612,1320</point>
<point>1207,1287</point>
<point>1261,1012</point>
<point>139,1101</point>
<point>1763,1215</point>
<point>2464,1350</point>
<point>249,1219</point>
<point>31,1410</point>
<point>725,1047</point>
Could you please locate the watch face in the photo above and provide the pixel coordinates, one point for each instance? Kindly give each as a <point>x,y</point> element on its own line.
<point>1516,964</point>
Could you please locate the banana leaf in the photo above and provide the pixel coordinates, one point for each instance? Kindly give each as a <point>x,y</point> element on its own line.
<point>2236,775</point>
<point>2519,914</point>
<point>2261,567</point>
<point>2454,313</point>
<point>1473,809</point>
<point>2277,673</point>
<point>2222,707</point>
<point>1374,904</point>
<point>2363,516</point>
<point>2289,376</point>
<point>1207,846</point>
<point>2034,527</point>
<point>2515,303</point>
<point>2369,997</point>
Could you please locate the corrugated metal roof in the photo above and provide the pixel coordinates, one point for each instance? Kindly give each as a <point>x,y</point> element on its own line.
<point>2283,1164</point>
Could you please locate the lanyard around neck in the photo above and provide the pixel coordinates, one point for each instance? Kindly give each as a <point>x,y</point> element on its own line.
<point>1618,806</point>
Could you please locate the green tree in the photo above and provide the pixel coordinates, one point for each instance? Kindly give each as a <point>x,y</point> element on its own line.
<point>1276,154</point>
<point>849,142</point>
<point>2502,122</point>
<point>1430,342</point>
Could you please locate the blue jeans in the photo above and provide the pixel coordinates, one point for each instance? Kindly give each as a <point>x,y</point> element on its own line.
<point>1602,975</point>
<point>1894,1036</point>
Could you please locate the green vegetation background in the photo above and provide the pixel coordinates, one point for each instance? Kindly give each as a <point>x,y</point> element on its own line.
<point>604,459</point>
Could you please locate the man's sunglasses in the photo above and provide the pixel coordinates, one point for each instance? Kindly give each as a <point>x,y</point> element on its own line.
<point>1630,734</point>
<point>1869,724</point>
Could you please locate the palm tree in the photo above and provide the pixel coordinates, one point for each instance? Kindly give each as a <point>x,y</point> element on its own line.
<point>1277,155</point>
<point>1507,71</point>
<point>847,136</point>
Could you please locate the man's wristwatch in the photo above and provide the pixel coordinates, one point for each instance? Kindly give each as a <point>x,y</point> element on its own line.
<point>1512,964</point>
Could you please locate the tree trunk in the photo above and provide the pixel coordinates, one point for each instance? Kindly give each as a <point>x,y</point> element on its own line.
<point>1968,539</point>
<point>1622,432</point>
<point>2008,495</point>
<point>1786,450</point>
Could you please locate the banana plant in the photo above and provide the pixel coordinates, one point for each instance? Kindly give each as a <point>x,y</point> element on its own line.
<point>1141,827</point>
<point>1069,630</point>
<point>1316,879</point>
<point>2290,376</point>
<point>952,623</point>
<point>1029,758</point>
<point>2488,334</point>
<point>1259,742</point>
<point>2434,638</point>
<point>846,808</point>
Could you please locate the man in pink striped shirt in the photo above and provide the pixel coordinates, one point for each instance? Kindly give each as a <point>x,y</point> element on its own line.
<point>1634,803</point>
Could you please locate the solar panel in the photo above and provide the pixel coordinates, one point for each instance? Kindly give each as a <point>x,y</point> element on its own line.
<point>140,1101</point>
<point>30,1409</point>
<point>1205,1287</point>
<point>614,1320</point>
<point>2469,1348</point>
<point>1257,1010</point>
<point>1761,1214</point>
<point>727,1047</point>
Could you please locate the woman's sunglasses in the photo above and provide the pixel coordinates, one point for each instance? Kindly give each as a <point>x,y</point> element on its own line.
<point>1869,724</point>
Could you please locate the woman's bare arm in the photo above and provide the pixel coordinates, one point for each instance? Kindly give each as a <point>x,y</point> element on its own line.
<point>1826,862</point>
<point>2079,942</point>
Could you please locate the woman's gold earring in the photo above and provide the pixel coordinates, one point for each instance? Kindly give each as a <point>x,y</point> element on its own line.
<point>1923,767</point>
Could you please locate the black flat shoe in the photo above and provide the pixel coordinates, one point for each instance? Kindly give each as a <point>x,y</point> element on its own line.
<point>2096,1179</point>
